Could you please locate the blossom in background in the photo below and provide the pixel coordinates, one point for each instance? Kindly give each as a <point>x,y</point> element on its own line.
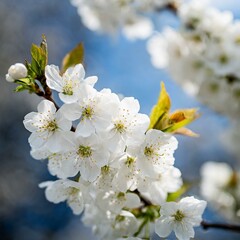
<point>220,186</point>
<point>127,15</point>
<point>180,217</point>
<point>16,71</point>
<point>202,59</point>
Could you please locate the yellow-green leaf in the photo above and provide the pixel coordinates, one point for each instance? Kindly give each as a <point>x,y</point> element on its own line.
<point>181,118</point>
<point>159,114</point>
<point>39,57</point>
<point>172,197</point>
<point>73,58</point>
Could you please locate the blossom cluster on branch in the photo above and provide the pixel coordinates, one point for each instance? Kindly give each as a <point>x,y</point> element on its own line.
<point>202,59</point>
<point>111,166</point>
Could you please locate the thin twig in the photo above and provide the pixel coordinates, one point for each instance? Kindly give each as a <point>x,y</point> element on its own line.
<point>172,7</point>
<point>223,226</point>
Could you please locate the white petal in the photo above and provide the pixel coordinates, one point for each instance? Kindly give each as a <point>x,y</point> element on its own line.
<point>163,227</point>
<point>29,120</point>
<point>68,98</point>
<point>35,141</point>
<point>132,201</point>
<point>46,106</point>
<point>55,192</point>
<point>76,203</point>
<point>183,231</point>
<point>91,80</point>
<point>71,111</point>
<point>54,80</point>
<point>63,123</point>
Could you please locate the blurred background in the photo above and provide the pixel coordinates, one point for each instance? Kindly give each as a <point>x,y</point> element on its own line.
<point>121,65</point>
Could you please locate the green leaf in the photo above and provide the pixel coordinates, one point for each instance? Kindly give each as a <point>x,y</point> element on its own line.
<point>73,58</point>
<point>39,57</point>
<point>24,81</point>
<point>20,88</point>
<point>159,114</point>
<point>172,197</point>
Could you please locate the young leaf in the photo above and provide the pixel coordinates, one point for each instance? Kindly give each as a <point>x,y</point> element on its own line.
<point>172,197</point>
<point>159,114</point>
<point>161,119</point>
<point>73,58</point>
<point>180,119</point>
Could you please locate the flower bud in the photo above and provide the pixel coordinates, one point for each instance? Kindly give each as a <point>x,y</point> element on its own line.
<point>16,71</point>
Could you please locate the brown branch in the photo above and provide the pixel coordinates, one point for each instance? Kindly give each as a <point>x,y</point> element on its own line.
<point>172,7</point>
<point>224,226</point>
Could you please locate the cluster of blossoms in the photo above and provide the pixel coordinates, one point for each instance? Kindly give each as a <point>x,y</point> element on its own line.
<point>110,167</point>
<point>220,185</point>
<point>111,15</point>
<point>203,60</point>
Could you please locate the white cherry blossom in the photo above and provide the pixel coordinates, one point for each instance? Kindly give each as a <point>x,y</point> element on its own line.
<point>65,190</point>
<point>155,154</point>
<point>69,84</point>
<point>157,189</point>
<point>95,110</point>
<point>49,128</point>
<point>128,126</point>
<point>180,217</point>
<point>88,155</point>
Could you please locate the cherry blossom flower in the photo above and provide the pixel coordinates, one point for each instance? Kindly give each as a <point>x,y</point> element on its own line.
<point>65,190</point>
<point>70,83</point>
<point>180,217</point>
<point>49,128</point>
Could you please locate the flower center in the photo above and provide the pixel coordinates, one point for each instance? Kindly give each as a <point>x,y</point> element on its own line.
<point>129,161</point>
<point>120,127</point>
<point>105,169</point>
<point>179,215</point>
<point>87,112</point>
<point>121,195</point>
<point>148,151</point>
<point>223,59</point>
<point>51,126</point>
<point>73,191</point>
<point>84,151</point>
<point>119,218</point>
<point>68,89</point>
